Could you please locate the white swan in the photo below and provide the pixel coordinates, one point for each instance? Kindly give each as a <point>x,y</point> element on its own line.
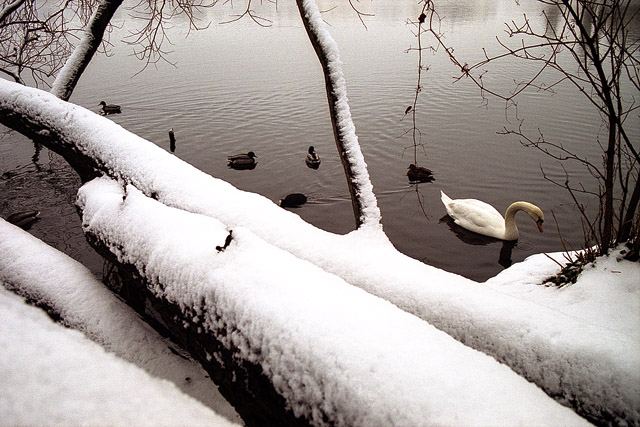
<point>482,218</point>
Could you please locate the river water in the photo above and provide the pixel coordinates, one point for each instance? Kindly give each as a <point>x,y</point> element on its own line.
<point>237,87</point>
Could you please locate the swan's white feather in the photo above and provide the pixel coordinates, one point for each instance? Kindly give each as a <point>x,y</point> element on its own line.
<point>475,215</point>
<point>482,218</point>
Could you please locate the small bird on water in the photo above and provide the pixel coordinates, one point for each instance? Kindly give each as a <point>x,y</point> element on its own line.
<point>419,174</point>
<point>172,140</point>
<point>25,219</point>
<point>242,161</point>
<point>109,108</point>
<point>293,200</point>
<point>313,159</point>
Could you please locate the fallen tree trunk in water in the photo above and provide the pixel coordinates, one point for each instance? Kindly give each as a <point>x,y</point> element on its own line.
<point>287,342</point>
<point>240,381</point>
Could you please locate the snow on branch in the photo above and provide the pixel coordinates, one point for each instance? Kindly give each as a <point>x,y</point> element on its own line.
<point>364,201</point>
<point>69,292</point>
<point>70,73</point>
<point>334,353</point>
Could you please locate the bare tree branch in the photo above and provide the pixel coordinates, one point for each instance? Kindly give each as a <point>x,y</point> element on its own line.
<point>150,39</point>
<point>263,22</point>
<point>93,35</point>
<point>10,8</point>
<point>590,47</point>
<point>36,40</point>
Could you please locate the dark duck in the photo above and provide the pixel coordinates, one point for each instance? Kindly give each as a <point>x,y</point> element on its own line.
<point>109,108</point>
<point>293,200</point>
<point>25,219</point>
<point>242,161</point>
<point>419,174</point>
<point>313,159</point>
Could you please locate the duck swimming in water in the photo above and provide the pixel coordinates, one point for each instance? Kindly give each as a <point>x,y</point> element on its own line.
<point>109,108</point>
<point>293,200</point>
<point>243,161</point>
<point>419,174</point>
<point>313,159</point>
<point>482,218</point>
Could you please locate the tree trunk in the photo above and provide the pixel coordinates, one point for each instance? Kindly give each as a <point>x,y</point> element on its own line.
<point>609,157</point>
<point>75,65</point>
<point>627,223</point>
<point>357,177</point>
<point>241,382</point>
<point>9,9</point>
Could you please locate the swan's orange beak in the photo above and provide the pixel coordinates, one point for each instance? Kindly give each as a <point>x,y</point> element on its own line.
<point>539,224</point>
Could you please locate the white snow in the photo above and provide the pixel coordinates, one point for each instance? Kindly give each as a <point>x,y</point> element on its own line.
<point>60,84</point>
<point>330,348</point>
<point>578,360</point>
<point>52,375</point>
<point>73,63</point>
<point>592,326</point>
<point>54,280</point>
<point>606,296</point>
<point>370,211</point>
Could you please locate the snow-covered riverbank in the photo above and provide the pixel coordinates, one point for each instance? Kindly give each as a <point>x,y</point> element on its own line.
<point>84,304</point>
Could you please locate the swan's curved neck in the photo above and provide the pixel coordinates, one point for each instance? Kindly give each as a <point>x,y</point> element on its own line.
<point>511,230</point>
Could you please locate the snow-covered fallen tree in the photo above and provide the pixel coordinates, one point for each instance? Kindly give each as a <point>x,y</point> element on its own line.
<point>587,365</point>
<point>334,353</point>
<point>52,375</point>
<point>68,291</point>
<point>561,353</point>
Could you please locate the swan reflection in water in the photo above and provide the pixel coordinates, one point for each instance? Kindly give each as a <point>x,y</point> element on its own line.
<point>472,238</point>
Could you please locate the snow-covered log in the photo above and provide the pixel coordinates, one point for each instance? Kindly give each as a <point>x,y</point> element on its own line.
<point>55,376</point>
<point>363,199</point>
<point>292,344</point>
<point>560,352</point>
<point>70,293</point>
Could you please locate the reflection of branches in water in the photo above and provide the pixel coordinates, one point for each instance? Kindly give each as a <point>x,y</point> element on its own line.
<point>51,168</point>
<point>420,198</point>
<point>49,187</point>
<point>416,135</point>
<point>32,167</point>
<point>17,172</point>
<point>37,147</point>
